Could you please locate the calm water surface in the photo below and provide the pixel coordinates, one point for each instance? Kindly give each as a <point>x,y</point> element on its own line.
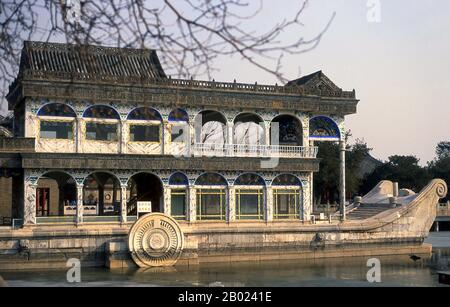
<point>395,271</point>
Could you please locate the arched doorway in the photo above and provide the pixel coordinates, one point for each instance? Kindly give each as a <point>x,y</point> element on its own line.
<point>101,194</point>
<point>56,195</point>
<point>145,187</point>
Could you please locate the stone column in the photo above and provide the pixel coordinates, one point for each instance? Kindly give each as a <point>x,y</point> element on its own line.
<point>342,179</point>
<point>123,203</point>
<point>80,204</point>
<point>267,133</point>
<point>230,127</point>
<point>165,140</point>
<point>79,136</point>
<point>231,204</point>
<point>167,200</point>
<point>29,214</point>
<point>192,206</point>
<point>269,204</point>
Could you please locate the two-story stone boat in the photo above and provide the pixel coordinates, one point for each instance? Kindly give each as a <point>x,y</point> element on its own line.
<point>227,167</point>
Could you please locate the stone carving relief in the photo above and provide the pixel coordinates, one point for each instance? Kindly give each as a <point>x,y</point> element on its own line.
<point>155,240</point>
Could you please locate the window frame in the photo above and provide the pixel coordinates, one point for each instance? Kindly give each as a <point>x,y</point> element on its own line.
<point>145,123</point>
<point>179,190</point>
<point>249,190</point>
<point>101,121</point>
<point>70,120</point>
<point>207,190</point>
<point>287,190</point>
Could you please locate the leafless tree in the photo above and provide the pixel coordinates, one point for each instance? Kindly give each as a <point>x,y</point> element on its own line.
<point>189,35</point>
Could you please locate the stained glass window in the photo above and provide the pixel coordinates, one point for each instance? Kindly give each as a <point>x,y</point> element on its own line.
<point>210,179</point>
<point>249,179</point>
<point>101,111</point>
<point>178,115</point>
<point>286,180</point>
<point>56,109</point>
<point>178,179</point>
<point>323,127</point>
<point>144,113</point>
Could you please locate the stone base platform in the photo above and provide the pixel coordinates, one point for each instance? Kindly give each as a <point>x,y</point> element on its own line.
<point>118,259</point>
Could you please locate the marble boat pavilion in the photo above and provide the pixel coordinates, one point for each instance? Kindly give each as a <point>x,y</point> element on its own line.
<point>98,129</point>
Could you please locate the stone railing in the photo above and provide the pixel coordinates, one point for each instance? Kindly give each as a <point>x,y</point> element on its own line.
<point>17,144</point>
<point>244,150</point>
<point>184,83</point>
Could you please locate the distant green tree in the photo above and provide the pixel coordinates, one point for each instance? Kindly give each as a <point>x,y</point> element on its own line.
<point>402,169</point>
<point>326,181</point>
<point>440,166</point>
<point>443,150</point>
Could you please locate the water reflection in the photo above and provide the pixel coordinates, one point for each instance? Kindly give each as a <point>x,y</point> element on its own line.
<point>395,271</point>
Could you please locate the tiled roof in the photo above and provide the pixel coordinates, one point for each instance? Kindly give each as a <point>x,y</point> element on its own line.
<point>87,60</point>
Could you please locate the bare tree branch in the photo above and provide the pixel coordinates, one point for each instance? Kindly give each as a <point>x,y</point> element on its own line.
<point>189,35</point>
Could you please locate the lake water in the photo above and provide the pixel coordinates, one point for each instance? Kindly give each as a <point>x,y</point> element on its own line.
<point>395,271</point>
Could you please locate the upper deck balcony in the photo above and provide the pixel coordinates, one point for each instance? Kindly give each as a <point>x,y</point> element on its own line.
<point>261,151</point>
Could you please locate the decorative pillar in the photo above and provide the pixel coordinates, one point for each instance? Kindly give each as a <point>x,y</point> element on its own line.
<point>80,204</point>
<point>167,200</point>
<point>269,204</point>
<point>123,127</point>
<point>342,179</point>
<point>192,206</point>
<point>231,204</point>
<point>165,141</point>
<point>267,140</point>
<point>123,203</point>
<point>79,134</point>
<point>230,126</point>
<point>29,214</point>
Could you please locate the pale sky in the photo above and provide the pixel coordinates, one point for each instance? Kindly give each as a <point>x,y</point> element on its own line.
<point>400,68</point>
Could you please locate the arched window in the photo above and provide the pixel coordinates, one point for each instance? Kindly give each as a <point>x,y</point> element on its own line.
<point>213,127</point>
<point>286,179</point>
<point>101,130</point>
<point>178,178</point>
<point>58,128</point>
<point>323,128</point>
<point>287,197</point>
<point>179,120</point>
<point>149,131</point>
<point>248,129</point>
<point>178,115</point>
<point>56,109</point>
<point>144,113</point>
<point>249,197</point>
<point>178,182</point>
<point>211,197</point>
<point>101,111</point>
<point>289,130</point>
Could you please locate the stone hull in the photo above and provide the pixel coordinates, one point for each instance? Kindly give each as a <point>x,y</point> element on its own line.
<point>397,231</point>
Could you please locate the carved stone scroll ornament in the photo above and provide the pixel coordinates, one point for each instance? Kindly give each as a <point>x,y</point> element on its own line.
<point>155,240</point>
